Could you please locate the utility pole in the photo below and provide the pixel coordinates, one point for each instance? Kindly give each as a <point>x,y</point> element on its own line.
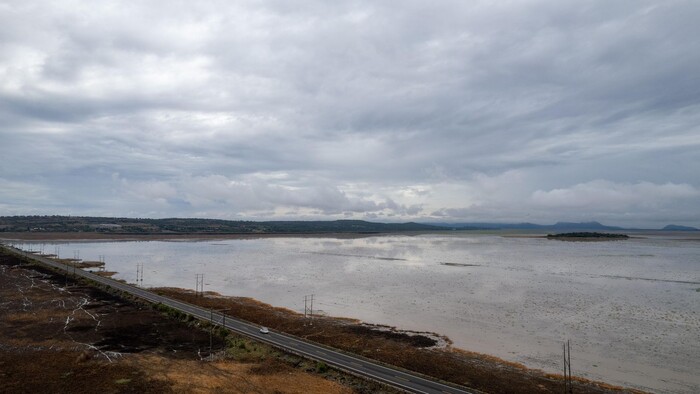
<point>222,312</point>
<point>139,274</point>
<point>312,309</point>
<point>76,258</point>
<point>309,309</point>
<point>211,327</point>
<point>568,385</point>
<point>199,288</point>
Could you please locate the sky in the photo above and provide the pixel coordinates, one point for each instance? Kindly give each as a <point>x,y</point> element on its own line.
<point>448,111</point>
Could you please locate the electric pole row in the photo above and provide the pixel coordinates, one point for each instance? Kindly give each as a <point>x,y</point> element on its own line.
<point>139,274</point>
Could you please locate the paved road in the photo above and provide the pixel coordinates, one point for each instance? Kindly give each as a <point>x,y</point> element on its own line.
<point>359,366</point>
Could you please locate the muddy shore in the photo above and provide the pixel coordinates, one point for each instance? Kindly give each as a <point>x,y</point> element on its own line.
<point>77,237</point>
<point>80,339</point>
<point>426,353</point>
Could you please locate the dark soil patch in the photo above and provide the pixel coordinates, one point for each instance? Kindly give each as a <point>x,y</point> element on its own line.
<point>417,340</point>
<point>117,325</point>
<point>63,372</point>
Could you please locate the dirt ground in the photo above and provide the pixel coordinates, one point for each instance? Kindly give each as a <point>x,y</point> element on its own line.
<point>59,336</point>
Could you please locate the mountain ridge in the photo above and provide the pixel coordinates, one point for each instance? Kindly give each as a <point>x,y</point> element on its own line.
<point>58,223</point>
<point>592,225</point>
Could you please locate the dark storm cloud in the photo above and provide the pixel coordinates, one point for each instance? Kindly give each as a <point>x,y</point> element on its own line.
<point>536,110</point>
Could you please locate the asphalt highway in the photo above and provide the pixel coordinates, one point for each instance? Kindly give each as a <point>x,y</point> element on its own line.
<point>356,365</point>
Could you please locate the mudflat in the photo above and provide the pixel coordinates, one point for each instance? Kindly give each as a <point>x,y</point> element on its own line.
<point>426,353</point>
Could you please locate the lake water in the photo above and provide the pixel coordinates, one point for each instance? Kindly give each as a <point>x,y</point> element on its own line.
<point>630,308</point>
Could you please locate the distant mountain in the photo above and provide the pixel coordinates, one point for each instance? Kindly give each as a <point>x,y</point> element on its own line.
<point>585,225</point>
<point>559,226</point>
<point>674,227</point>
<point>530,226</point>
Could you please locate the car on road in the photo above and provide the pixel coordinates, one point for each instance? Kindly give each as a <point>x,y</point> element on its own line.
<point>264,330</point>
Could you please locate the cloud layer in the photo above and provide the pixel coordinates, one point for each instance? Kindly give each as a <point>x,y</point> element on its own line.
<point>533,110</point>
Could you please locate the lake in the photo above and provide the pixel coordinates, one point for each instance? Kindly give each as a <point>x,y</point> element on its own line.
<point>630,308</point>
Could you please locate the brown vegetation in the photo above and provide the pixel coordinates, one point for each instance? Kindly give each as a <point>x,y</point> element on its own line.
<point>59,336</point>
<point>411,351</point>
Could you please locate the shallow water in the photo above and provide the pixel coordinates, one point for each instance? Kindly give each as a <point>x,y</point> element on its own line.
<point>630,308</point>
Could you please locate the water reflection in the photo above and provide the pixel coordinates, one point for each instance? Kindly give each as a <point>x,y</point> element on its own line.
<point>631,308</point>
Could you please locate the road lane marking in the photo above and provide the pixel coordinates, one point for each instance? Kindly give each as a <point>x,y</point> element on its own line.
<point>402,378</point>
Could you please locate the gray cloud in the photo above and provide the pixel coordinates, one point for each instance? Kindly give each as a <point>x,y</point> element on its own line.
<point>479,111</point>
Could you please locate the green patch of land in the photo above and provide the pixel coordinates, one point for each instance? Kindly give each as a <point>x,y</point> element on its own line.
<point>587,236</point>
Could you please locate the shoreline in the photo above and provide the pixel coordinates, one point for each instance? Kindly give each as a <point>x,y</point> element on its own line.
<point>482,349</point>
<point>129,237</point>
<point>429,354</point>
<point>414,350</point>
<point>89,237</point>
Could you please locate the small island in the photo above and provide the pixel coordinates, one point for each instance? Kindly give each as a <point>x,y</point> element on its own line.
<point>587,236</point>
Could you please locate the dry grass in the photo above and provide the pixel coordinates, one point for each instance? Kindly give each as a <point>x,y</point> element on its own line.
<point>411,352</point>
<point>40,353</point>
<point>227,377</point>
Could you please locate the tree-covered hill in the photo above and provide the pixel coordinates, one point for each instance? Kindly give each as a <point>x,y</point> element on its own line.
<point>205,226</point>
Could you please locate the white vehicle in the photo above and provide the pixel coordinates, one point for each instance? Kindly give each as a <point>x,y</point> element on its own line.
<point>264,330</point>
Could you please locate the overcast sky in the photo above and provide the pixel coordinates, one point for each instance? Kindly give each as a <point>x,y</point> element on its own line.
<point>496,111</point>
